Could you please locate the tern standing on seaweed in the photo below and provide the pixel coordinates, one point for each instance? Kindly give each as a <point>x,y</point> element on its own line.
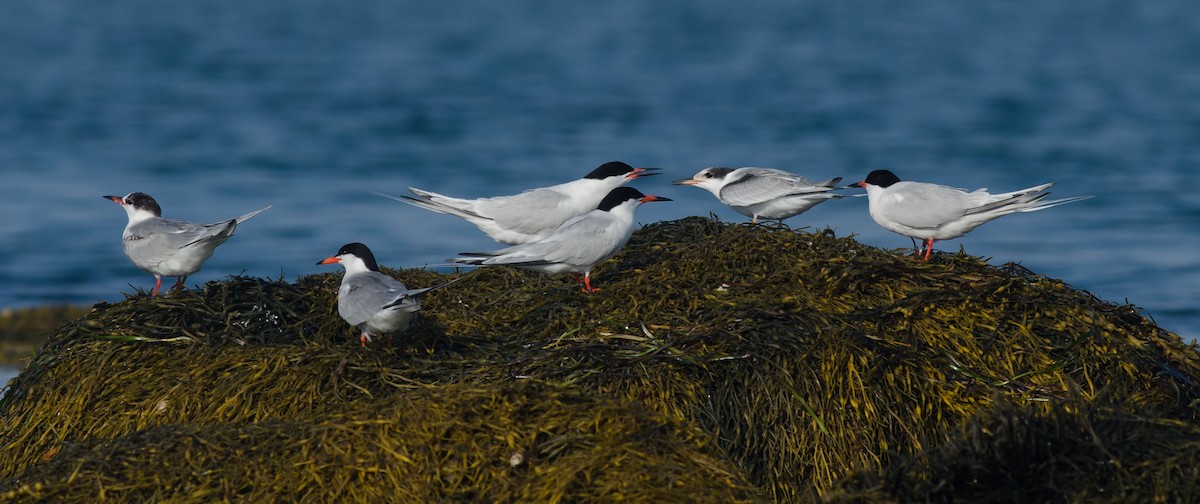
<point>576,246</point>
<point>169,247</point>
<point>765,193</point>
<point>371,301</point>
<point>937,212</point>
<point>535,213</point>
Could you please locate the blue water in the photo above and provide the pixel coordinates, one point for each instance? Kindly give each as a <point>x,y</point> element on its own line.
<point>7,373</point>
<point>217,108</point>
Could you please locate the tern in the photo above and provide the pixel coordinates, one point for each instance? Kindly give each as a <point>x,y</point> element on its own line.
<point>578,244</point>
<point>169,247</point>
<point>765,193</point>
<point>371,301</point>
<point>925,211</point>
<point>530,215</point>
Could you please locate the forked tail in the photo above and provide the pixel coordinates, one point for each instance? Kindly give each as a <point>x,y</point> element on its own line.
<point>424,200</point>
<point>1042,205</point>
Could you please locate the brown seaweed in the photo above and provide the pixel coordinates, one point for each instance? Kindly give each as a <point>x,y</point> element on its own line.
<point>783,362</point>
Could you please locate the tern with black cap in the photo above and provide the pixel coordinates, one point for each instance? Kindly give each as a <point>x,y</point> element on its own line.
<point>928,212</point>
<point>530,215</point>
<point>371,301</point>
<point>578,244</point>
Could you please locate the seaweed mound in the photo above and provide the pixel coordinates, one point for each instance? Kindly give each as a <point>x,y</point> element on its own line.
<point>517,441</point>
<point>1074,453</point>
<point>720,362</point>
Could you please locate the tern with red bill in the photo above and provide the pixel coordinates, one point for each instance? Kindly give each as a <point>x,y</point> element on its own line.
<point>371,301</point>
<point>765,193</point>
<point>530,215</point>
<point>925,211</point>
<point>169,247</point>
<point>578,244</point>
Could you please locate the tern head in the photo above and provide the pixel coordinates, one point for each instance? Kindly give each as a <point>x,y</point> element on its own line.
<point>621,195</point>
<point>619,171</point>
<point>712,179</point>
<point>138,205</point>
<point>880,178</point>
<point>355,257</point>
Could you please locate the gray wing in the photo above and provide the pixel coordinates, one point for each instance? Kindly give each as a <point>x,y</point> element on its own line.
<point>924,205</point>
<point>415,293</point>
<point>362,296</point>
<point>529,212</point>
<point>1017,199</point>
<point>155,240</point>
<point>585,239</point>
<point>756,185</point>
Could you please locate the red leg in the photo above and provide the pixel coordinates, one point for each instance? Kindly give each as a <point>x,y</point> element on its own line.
<point>363,340</point>
<point>587,284</point>
<point>179,283</point>
<point>928,248</point>
<point>157,285</point>
<point>575,276</point>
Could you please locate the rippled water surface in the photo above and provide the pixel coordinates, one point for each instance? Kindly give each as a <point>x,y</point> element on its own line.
<point>218,108</point>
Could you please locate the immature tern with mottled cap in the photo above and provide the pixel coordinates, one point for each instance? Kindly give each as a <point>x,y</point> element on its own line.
<point>535,213</point>
<point>169,247</point>
<point>765,193</point>
<point>371,301</point>
<point>937,212</point>
<point>578,244</point>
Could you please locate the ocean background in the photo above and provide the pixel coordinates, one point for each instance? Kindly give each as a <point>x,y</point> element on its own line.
<point>217,108</point>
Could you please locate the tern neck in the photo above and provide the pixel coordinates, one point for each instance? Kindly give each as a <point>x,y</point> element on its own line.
<point>354,265</point>
<point>625,210</point>
<point>137,215</point>
<point>713,186</point>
